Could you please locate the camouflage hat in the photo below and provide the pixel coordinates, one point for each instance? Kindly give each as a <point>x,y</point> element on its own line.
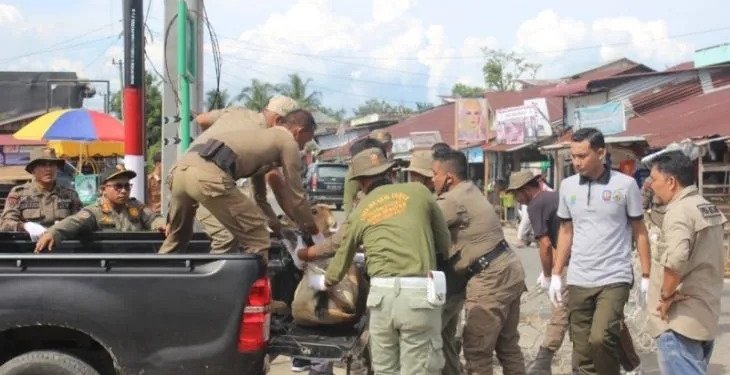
<point>282,105</point>
<point>519,179</point>
<point>42,154</point>
<point>369,162</point>
<point>381,135</point>
<point>115,173</point>
<point>421,162</point>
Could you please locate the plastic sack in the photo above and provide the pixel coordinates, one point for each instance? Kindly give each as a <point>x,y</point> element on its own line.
<point>336,306</point>
<point>87,186</point>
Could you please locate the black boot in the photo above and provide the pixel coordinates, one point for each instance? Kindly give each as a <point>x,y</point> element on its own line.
<point>542,363</point>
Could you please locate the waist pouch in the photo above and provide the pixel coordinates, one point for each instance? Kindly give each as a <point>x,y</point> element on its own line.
<point>436,288</point>
<point>481,263</point>
<point>218,153</point>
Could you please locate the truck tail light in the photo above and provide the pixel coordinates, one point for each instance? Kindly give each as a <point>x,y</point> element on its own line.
<point>314,182</point>
<point>256,319</point>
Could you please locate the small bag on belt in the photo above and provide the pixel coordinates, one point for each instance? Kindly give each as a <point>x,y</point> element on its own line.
<point>220,154</point>
<point>436,288</point>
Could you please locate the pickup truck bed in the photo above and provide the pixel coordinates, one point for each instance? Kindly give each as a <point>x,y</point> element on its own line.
<point>112,302</point>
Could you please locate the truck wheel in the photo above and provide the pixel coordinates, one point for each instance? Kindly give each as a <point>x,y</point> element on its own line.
<point>46,362</point>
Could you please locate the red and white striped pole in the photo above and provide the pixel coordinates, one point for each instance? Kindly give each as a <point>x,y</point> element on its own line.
<point>134,77</point>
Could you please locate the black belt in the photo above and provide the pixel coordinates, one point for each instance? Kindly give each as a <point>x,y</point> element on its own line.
<point>481,263</point>
<point>217,153</point>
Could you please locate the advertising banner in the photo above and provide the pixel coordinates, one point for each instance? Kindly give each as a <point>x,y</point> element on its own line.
<point>471,120</point>
<point>609,118</point>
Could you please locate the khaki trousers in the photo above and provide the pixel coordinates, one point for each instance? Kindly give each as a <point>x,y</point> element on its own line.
<point>405,332</point>
<point>450,321</point>
<point>595,316</point>
<point>221,240</point>
<point>216,191</point>
<point>492,315</point>
<point>558,324</point>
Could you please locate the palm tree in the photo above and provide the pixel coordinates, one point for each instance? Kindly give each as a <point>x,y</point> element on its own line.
<point>257,95</point>
<point>296,89</point>
<point>217,99</point>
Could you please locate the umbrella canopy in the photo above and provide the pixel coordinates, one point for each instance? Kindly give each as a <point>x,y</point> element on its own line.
<point>73,125</point>
<point>70,149</point>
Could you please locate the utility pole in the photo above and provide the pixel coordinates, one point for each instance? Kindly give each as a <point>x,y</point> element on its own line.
<point>134,77</point>
<point>120,64</point>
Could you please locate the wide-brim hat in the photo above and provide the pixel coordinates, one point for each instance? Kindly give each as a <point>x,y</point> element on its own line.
<point>369,162</point>
<point>421,163</point>
<point>43,154</point>
<point>282,105</point>
<point>117,173</point>
<point>519,179</point>
<point>381,135</point>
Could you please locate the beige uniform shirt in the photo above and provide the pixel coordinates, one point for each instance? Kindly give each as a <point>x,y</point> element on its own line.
<point>28,202</point>
<point>692,246</point>
<point>259,149</point>
<point>475,227</point>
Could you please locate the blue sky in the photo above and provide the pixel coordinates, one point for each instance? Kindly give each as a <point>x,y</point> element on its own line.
<point>404,51</point>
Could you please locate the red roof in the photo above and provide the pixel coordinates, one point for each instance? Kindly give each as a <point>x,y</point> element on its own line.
<point>9,140</point>
<point>440,119</point>
<point>697,116</point>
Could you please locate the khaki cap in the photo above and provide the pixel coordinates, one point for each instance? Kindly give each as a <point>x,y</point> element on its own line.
<point>43,154</point>
<point>381,135</point>
<point>370,162</point>
<point>519,179</point>
<point>421,162</point>
<point>282,105</point>
<point>114,173</point>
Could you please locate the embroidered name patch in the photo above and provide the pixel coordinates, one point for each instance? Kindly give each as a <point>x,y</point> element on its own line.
<point>708,210</point>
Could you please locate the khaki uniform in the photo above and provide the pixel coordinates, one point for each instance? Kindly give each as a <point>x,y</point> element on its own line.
<point>400,227</point>
<point>28,202</point>
<point>196,180</point>
<point>154,192</point>
<point>693,247</point>
<point>349,193</point>
<point>493,295</point>
<point>101,216</point>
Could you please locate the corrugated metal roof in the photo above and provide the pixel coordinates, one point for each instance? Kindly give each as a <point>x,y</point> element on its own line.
<point>9,140</point>
<point>439,119</point>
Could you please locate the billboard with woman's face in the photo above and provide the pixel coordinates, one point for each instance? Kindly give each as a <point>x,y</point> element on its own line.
<point>471,120</point>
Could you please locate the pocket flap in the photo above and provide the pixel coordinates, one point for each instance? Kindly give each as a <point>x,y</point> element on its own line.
<point>374,299</point>
<point>420,302</point>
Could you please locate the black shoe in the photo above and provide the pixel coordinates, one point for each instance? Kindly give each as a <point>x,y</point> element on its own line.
<point>300,365</point>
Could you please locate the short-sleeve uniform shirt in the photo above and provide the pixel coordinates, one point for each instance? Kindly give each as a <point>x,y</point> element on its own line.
<point>601,212</point>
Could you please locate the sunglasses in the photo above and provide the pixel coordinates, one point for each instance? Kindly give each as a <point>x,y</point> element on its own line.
<point>121,186</point>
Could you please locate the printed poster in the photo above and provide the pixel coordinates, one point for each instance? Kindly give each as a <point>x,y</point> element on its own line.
<point>471,120</point>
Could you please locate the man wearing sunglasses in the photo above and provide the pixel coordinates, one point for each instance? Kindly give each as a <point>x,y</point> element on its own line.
<point>114,211</point>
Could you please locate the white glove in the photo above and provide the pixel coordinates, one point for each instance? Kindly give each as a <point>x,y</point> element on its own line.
<point>543,282</point>
<point>318,238</point>
<point>298,262</point>
<point>35,230</point>
<point>555,290</point>
<point>644,291</point>
<point>317,283</point>
<point>359,258</point>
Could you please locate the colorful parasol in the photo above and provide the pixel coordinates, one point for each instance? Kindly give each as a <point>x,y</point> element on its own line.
<point>81,125</point>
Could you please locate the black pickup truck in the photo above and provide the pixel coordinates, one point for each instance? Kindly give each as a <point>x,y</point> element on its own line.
<point>108,304</point>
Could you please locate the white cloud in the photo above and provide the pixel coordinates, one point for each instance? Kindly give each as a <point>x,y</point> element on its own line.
<point>389,10</point>
<point>9,14</point>
<point>648,40</point>
<point>437,45</point>
<point>549,35</point>
<point>402,46</point>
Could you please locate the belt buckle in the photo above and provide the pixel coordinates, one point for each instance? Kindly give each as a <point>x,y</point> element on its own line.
<point>483,262</point>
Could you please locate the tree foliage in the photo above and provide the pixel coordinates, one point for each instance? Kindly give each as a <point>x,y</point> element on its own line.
<point>256,95</point>
<point>465,91</point>
<point>217,99</point>
<point>381,106</point>
<point>337,114</point>
<point>296,89</point>
<point>502,69</point>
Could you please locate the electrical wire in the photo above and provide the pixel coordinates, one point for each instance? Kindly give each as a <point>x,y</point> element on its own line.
<point>65,48</point>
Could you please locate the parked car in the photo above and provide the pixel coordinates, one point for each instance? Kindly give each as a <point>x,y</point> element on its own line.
<point>109,304</point>
<point>325,183</point>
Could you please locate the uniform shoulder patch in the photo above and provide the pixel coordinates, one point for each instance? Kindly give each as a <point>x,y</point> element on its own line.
<point>84,214</point>
<point>708,210</point>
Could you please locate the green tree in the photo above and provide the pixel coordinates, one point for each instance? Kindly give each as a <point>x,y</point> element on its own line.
<point>423,106</point>
<point>381,106</point>
<point>296,89</point>
<point>502,69</point>
<point>465,91</point>
<point>257,95</point>
<point>338,114</point>
<point>217,99</point>
<point>152,109</point>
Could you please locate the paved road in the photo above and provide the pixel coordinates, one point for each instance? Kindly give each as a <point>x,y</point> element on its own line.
<point>720,363</point>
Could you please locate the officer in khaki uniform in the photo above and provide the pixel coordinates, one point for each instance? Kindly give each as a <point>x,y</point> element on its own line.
<point>351,188</point>
<point>276,109</point>
<point>494,276</point>
<point>401,229</point>
<point>42,200</point>
<point>420,170</point>
<point>226,152</point>
<point>686,284</point>
<point>114,211</point>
